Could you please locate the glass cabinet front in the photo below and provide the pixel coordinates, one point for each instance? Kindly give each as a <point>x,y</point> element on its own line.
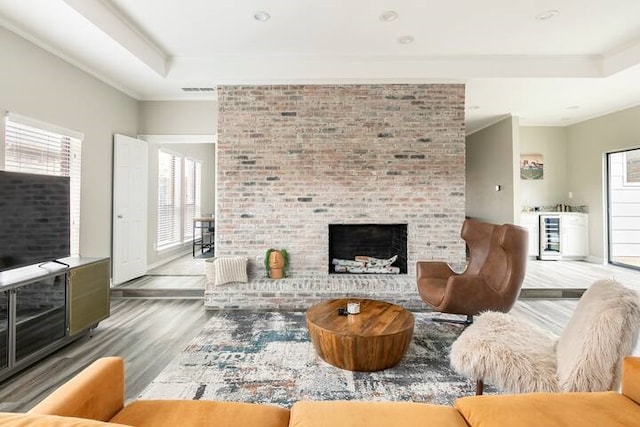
<point>4,329</point>
<point>40,315</point>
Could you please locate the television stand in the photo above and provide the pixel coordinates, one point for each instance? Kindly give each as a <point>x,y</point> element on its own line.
<point>45,307</point>
<point>57,261</point>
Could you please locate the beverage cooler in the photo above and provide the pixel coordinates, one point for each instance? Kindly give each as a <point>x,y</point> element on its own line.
<point>550,247</point>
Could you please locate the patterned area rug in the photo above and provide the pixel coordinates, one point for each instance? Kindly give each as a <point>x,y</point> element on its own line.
<point>267,357</point>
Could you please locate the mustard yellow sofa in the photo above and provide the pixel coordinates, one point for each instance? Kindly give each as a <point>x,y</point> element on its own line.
<point>95,397</point>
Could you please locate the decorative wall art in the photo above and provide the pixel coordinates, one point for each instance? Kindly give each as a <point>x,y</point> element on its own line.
<point>531,166</point>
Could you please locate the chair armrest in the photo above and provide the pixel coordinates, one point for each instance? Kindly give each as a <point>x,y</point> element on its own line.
<point>96,393</point>
<point>631,378</point>
<point>433,270</point>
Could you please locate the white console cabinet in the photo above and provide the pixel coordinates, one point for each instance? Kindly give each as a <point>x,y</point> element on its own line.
<point>574,233</point>
<point>530,221</point>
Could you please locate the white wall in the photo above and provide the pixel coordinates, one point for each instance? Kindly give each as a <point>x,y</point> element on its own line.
<point>587,144</point>
<point>492,158</point>
<point>178,118</point>
<point>37,84</point>
<point>551,142</point>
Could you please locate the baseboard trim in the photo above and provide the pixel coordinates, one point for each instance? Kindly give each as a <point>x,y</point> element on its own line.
<point>596,260</point>
<point>158,293</point>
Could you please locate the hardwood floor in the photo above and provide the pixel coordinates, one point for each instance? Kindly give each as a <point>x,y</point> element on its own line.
<point>186,265</point>
<point>148,333</point>
<point>576,274</point>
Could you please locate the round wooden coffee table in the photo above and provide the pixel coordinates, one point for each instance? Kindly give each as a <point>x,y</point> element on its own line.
<point>373,340</point>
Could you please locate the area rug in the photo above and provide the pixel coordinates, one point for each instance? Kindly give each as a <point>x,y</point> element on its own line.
<point>267,357</point>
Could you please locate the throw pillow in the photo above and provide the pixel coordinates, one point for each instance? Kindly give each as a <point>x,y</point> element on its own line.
<point>230,269</point>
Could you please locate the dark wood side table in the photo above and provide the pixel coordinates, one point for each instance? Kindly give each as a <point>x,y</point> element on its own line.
<point>373,340</point>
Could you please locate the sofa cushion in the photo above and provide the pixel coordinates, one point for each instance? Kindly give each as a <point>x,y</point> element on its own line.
<point>549,409</point>
<point>36,420</point>
<point>195,413</point>
<point>372,414</point>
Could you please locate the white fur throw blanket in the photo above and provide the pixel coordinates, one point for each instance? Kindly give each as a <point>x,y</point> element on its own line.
<point>514,356</point>
<point>518,357</point>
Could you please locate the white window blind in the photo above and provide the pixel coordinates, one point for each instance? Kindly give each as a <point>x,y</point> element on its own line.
<point>191,201</point>
<point>169,201</point>
<point>36,147</point>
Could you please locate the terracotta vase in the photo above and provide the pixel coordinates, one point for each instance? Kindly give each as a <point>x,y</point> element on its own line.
<point>276,265</point>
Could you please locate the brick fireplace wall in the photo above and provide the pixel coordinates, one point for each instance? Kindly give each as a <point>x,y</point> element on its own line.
<point>292,159</point>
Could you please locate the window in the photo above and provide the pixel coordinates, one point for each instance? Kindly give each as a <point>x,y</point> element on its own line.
<point>32,146</point>
<point>623,207</point>
<point>191,202</point>
<point>178,198</point>
<point>169,201</point>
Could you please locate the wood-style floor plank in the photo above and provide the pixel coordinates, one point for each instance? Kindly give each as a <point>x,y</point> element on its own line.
<point>576,274</point>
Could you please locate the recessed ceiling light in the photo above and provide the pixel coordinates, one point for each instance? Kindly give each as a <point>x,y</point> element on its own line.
<point>261,16</point>
<point>389,15</point>
<point>472,107</point>
<point>406,40</point>
<point>573,107</point>
<point>547,14</point>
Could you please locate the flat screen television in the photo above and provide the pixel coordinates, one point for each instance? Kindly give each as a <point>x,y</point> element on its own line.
<point>34,219</point>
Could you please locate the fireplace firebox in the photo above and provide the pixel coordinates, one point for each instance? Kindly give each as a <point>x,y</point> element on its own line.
<point>381,241</point>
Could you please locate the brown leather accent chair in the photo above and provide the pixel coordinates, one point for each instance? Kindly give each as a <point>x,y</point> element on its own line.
<point>492,279</point>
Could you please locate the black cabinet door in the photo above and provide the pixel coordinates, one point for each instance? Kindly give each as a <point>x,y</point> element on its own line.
<point>40,314</point>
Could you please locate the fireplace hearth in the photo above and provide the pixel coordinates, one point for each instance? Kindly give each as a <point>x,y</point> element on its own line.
<point>382,241</point>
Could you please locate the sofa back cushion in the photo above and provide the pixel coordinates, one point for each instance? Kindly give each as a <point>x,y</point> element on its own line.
<point>549,409</point>
<point>36,420</point>
<point>340,413</point>
<point>201,413</point>
<point>602,330</point>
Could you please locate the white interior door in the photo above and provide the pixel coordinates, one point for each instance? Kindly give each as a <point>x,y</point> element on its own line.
<point>130,175</point>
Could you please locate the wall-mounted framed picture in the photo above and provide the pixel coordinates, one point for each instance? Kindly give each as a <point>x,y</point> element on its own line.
<point>531,166</point>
